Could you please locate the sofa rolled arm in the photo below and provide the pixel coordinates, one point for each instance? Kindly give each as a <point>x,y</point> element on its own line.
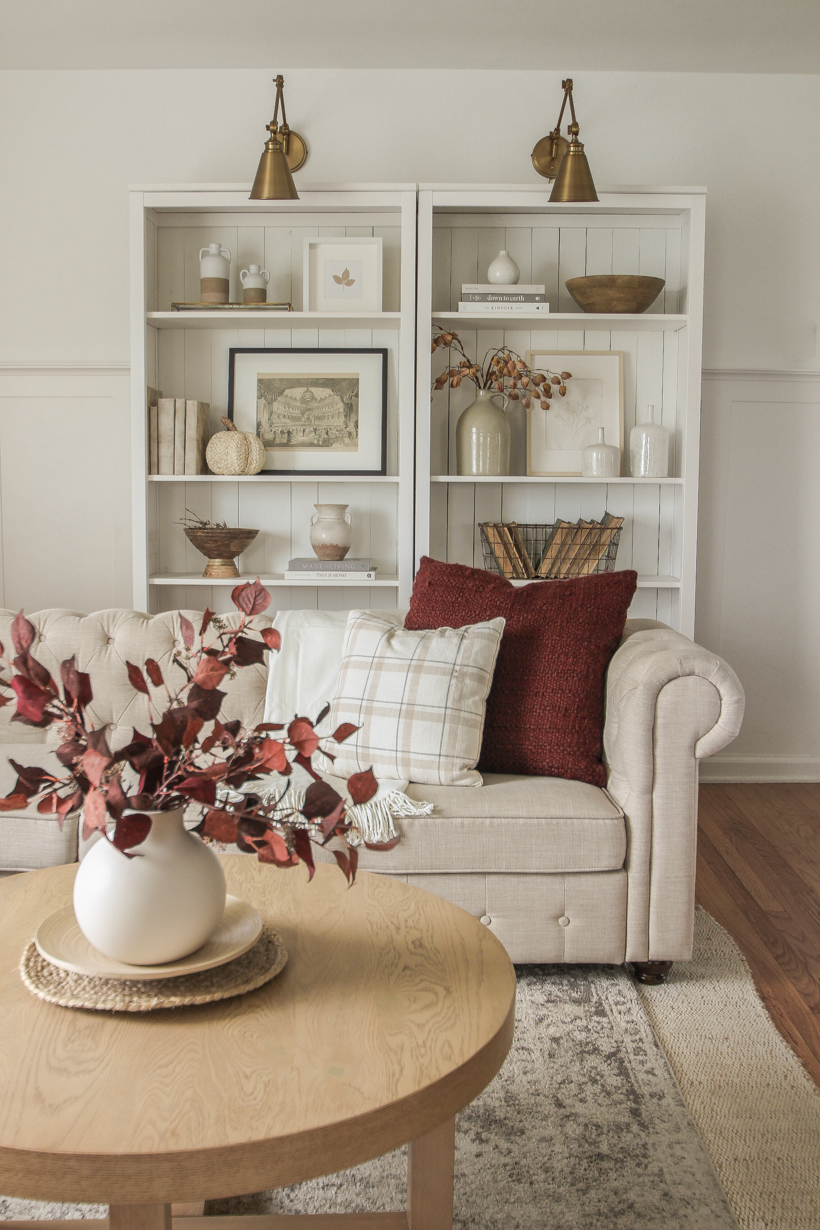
<point>669,703</point>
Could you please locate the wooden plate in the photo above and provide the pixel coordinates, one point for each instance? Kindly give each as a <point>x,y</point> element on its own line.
<point>60,941</point>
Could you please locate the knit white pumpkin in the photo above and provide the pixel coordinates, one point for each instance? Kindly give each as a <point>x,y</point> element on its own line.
<point>235,452</point>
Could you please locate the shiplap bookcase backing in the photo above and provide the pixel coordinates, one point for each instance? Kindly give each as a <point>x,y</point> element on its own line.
<point>643,231</point>
<point>186,355</point>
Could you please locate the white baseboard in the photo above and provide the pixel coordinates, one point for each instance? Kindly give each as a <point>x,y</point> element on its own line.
<point>760,769</point>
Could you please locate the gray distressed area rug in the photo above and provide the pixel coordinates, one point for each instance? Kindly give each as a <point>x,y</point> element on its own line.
<point>584,1127</point>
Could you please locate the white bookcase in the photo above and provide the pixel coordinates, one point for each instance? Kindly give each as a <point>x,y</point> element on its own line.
<point>629,230</point>
<point>185,354</point>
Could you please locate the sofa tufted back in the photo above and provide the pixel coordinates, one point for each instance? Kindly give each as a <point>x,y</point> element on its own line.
<point>102,644</point>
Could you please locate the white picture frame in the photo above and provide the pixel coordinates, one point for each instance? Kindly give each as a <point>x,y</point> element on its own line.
<point>594,398</point>
<point>326,261</point>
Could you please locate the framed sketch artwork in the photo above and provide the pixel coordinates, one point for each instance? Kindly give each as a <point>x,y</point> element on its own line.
<point>316,411</point>
<point>594,398</point>
<point>342,275</point>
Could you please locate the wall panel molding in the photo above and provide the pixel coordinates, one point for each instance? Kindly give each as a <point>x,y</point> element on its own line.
<point>725,770</point>
<point>65,486</point>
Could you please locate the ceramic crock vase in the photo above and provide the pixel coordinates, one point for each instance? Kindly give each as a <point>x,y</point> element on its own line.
<point>649,448</point>
<point>331,534</point>
<point>483,436</point>
<point>214,274</point>
<point>158,906</point>
<point>254,281</point>
<point>601,460</point>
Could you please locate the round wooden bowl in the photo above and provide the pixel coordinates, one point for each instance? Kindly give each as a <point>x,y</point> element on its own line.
<point>221,547</point>
<point>615,292</point>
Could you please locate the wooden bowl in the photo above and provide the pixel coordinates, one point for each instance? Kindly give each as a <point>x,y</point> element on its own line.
<point>615,292</point>
<point>221,547</point>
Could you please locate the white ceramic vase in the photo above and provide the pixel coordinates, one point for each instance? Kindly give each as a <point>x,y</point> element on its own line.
<point>331,534</point>
<point>158,906</point>
<point>503,271</point>
<point>254,281</point>
<point>214,274</point>
<point>601,460</point>
<point>649,448</point>
<point>483,436</point>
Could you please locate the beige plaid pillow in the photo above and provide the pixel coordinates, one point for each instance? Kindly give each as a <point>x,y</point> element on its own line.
<point>419,698</point>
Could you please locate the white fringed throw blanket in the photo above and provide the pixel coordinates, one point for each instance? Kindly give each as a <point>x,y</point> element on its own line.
<point>302,678</point>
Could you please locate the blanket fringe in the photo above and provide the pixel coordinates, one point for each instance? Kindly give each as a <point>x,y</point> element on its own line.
<point>373,821</point>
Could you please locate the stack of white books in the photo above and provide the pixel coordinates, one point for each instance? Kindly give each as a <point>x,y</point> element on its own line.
<point>178,431</point>
<point>485,297</point>
<point>330,570</point>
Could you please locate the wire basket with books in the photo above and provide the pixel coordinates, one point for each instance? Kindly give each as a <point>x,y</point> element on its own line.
<point>545,552</point>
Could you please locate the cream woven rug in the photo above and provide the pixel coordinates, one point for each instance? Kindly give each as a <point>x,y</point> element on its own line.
<point>757,1108</point>
<point>586,1129</point>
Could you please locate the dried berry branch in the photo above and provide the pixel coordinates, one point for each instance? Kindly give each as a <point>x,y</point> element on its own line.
<point>501,370</point>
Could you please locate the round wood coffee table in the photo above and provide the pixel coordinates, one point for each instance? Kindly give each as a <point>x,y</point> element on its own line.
<point>394,1011</point>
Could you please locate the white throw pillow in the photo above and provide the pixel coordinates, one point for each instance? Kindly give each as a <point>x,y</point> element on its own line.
<point>419,698</point>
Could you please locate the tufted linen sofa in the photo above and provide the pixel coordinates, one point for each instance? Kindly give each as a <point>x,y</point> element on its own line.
<point>561,871</point>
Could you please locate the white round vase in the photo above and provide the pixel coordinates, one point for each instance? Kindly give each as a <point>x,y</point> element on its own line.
<point>331,534</point>
<point>159,905</point>
<point>503,271</point>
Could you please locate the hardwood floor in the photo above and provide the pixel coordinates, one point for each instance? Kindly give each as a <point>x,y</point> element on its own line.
<point>759,876</point>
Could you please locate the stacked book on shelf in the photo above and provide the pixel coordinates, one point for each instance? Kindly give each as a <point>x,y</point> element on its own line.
<point>178,431</point>
<point>330,570</point>
<point>486,298</point>
<point>564,549</point>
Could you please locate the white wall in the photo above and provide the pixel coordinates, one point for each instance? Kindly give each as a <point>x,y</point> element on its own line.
<point>70,143</point>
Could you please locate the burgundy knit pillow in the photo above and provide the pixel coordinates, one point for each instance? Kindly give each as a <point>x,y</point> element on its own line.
<point>545,711</point>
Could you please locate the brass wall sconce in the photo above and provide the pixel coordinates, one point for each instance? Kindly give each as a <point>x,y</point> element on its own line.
<point>284,151</point>
<point>565,161</point>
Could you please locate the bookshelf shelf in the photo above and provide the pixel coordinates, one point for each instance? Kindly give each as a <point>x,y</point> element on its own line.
<point>254,479</point>
<point>646,322</point>
<point>506,479</point>
<point>268,579</point>
<point>238,319</point>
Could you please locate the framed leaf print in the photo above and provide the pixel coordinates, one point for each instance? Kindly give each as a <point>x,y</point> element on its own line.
<point>342,275</point>
<point>594,398</point>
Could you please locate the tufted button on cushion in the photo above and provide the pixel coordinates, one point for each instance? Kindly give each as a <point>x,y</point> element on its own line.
<point>486,920</point>
<point>563,921</point>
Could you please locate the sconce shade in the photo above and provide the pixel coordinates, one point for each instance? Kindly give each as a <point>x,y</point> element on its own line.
<point>274,181</point>
<point>574,179</point>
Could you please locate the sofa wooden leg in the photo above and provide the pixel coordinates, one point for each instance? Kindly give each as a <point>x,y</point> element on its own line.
<point>651,973</point>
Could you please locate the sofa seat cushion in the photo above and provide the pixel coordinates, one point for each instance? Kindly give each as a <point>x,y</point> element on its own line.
<point>511,823</point>
<point>27,839</point>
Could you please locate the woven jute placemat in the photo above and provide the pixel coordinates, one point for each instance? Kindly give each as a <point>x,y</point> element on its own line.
<point>246,973</point>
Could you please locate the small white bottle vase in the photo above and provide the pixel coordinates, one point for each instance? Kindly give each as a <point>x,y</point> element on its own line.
<point>214,274</point>
<point>601,460</point>
<point>649,448</point>
<point>503,271</point>
<point>254,281</point>
<point>330,531</point>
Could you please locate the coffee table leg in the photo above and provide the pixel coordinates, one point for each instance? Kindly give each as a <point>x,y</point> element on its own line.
<point>430,1179</point>
<point>139,1217</point>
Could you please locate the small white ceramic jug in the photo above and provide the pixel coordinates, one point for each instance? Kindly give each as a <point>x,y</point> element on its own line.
<point>254,281</point>
<point>330,531</point>
<point>601,460</point>
<point>214,274</point>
